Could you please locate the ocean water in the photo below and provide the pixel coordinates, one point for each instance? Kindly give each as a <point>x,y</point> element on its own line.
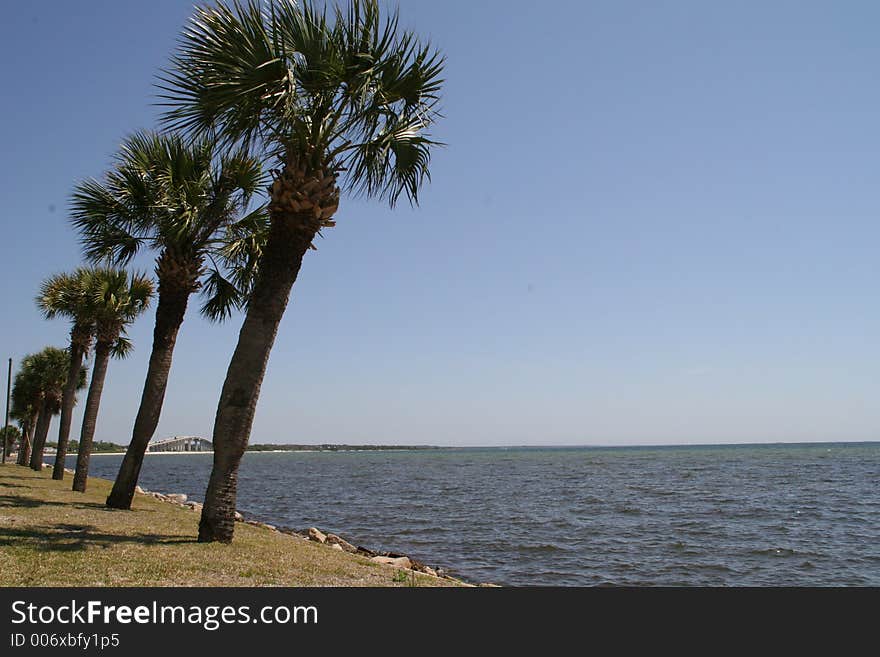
<point>769,515</point>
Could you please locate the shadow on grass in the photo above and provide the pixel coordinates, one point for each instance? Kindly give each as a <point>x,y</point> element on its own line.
<point>11,474</point>
<point>24,502</point>
<point>63,537</point>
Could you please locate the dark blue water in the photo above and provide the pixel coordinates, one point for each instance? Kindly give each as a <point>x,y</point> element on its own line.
<point>772,515</point>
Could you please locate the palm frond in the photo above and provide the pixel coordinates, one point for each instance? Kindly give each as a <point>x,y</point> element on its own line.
<point>59,295</point>
<point>105,223</point>
<point>122,348</point>
<point>226,71</point>
<point>222,296</point>
<point>241,250</point>
<point>117,299</point>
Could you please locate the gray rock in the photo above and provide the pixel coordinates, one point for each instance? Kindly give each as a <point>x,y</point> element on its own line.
<point>261,525</point>
<point>336,546</point>
<point>334,540</point>
<point>139,490</point>
<point>239,517</point>
<point>397,562</point>
<point>317,535</point>
<point>179,498</point>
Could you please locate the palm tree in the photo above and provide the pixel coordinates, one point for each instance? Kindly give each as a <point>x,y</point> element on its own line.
<point>27,402</point>
<point>117,300</point>
<point>190,205</point>
<point>50,368</point>
<point>68,295</point>
<point>11,435</point>
<point>345,100</point>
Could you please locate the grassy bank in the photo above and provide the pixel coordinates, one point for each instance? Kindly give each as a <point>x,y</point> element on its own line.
<point>51,536</point>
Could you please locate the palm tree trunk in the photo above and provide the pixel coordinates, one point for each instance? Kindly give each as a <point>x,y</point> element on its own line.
<point>27,440</point>
<point>68,399</point>
<point>44,419</point>
<point>90,416</point>
<point>169,316</point>
<point>279,267</point>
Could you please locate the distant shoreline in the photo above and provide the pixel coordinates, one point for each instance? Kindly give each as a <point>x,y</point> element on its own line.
<point>279,449</point>
<point>256,451</point>
<point>329,448</point>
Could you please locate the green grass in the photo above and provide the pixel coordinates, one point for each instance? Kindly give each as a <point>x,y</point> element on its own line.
<point>51,536</point>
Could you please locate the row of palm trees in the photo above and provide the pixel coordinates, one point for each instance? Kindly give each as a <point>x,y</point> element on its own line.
<point>101,303</point>
<point>36,397</point>
<point>300,101</point>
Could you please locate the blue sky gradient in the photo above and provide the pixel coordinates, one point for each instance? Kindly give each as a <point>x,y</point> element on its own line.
<point>654,222</point>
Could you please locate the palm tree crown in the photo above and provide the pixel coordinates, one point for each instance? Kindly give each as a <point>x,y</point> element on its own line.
<point>116,300</point>
<point>185,202</point>
<point>346,95</point>
<point>50,368</point>
<point>26,391</point>
<point>67,295</point>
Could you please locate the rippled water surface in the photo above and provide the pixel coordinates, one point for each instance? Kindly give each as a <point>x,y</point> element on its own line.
<point>719,515</point>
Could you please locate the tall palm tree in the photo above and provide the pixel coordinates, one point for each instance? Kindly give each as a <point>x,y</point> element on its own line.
<point>50,367</point>
<point>117,300</point>
<point>68,295</point>
<point>344,100</point>
<point>191,206</point>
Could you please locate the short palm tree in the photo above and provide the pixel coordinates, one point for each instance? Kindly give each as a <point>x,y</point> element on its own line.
<point>10,436</point>
<point>27,402</point>
<point>191,206</point>
<point>50,368</point>
<point>68,295</point>
<point>340,100</point>
<point>117,300</point>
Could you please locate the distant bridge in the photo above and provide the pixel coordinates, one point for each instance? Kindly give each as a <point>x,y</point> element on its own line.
<point>181,444</point>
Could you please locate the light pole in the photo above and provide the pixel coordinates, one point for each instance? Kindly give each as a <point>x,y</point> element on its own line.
<point>6,424</point>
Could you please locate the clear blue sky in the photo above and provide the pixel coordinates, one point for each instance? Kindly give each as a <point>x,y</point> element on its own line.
<point>655,222</point>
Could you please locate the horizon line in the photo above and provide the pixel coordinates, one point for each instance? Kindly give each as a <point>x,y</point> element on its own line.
<point>561,445</point>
